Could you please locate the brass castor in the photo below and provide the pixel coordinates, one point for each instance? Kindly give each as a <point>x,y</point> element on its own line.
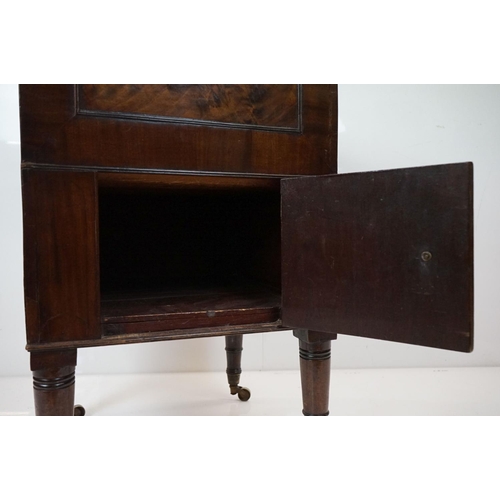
<point>78,411</point>
<point>243,392</point>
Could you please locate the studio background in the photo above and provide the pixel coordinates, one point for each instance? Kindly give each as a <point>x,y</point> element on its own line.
<point>380,127</point>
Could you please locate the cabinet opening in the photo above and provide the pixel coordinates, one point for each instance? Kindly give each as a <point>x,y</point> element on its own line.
<point>180,252</point>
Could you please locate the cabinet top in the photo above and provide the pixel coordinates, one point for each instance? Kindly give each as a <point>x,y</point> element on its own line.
<point>248,129</point>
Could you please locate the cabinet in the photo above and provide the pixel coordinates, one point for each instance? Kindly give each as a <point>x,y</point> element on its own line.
<point>163,212</point>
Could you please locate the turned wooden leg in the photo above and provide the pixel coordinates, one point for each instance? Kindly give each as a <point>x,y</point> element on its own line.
<point>234,346</point>
<point>54,383</point>
<point>314,352</point>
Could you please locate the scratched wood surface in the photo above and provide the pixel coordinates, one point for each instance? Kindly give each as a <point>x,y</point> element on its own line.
<point>149,311</point>
<point>61,256</point>
<point>385,255</point>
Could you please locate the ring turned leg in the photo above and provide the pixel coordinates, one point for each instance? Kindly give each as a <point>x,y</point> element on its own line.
<point>54,383</point>
<point>234,346</point>
<point>315,352</point>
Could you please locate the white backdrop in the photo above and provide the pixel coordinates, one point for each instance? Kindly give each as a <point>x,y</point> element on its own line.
<point>380,127</point>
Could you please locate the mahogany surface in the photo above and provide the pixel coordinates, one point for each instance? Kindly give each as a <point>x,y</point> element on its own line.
<point>385,255</point>
<point>163,212</point>
<point>315,364</point>
<point>252,129</point>
<point>250,106</point>
<point>54,382</point>
<point>151,311</point>
<point>61,256</point>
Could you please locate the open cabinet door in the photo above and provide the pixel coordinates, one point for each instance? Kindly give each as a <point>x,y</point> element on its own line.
<point>385,255</point>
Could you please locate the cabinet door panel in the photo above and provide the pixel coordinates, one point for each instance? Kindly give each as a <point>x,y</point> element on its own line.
<point>385,255</point>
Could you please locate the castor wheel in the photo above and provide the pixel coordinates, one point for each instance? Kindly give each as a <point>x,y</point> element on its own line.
<point>78,411</point>
<point>244,393</point>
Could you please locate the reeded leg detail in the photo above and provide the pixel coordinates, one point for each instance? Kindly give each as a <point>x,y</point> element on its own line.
<point>54,383</point>
<point>234,347</point>
<point>315,353</point>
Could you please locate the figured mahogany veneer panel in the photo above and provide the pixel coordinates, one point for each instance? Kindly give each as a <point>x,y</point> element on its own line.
<point>385,255</point>
<point>61,256</point>
<point>254,130</point>
<point>265,106</point>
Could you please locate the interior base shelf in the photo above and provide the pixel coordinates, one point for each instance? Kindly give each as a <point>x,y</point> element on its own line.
<point>156,310</point>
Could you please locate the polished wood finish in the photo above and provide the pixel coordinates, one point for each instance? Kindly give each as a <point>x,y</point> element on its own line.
<point>55,131</point>
<point>61,256</point>
<point>251,106</point>
<point>54,382</point>
<point>145,277</point>
<point>315,354</point>
<point>158,212</point>
<point>384,255</point>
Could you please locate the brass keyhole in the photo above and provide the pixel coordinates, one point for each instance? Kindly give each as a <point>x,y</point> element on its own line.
<point>426,256</point>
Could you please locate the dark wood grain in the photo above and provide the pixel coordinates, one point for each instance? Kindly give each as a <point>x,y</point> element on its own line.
<point>183,334</point>
<point>251,105</point>
<point>54,382</point>
<point>53,133</point>
<point>142,311</point>
<point>61,256</point>
<point>353,259</point>
<point>152,212</point>
<point>314,354</point>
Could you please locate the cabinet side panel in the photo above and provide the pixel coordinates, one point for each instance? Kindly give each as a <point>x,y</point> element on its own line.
<point>61,256</point>
<point>30,257</point>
